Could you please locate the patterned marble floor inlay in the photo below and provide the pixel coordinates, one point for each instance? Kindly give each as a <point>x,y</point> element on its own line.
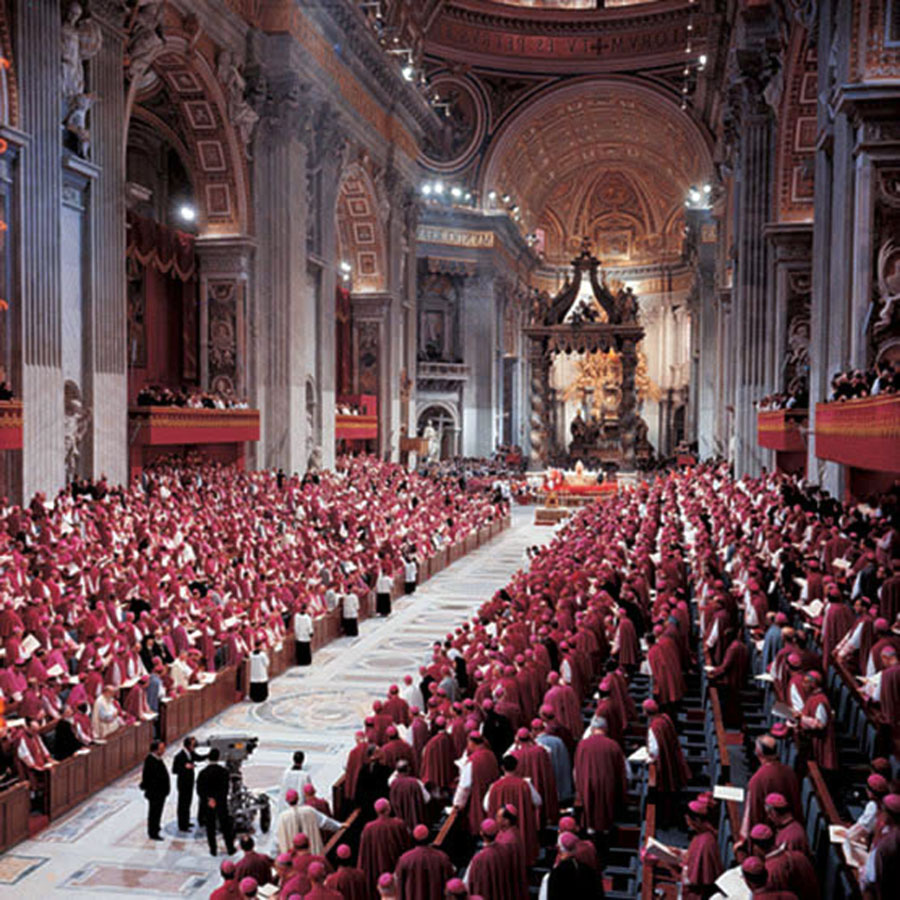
<point>113,877</point>
<point>13,867</point>
<point>84,820</point>
<point>316,709</point>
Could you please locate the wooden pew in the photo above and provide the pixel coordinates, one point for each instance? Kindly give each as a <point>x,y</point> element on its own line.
<point>15,807</point>
<point>348,833</point>
<point>443,835</point>
<point>721,742</point>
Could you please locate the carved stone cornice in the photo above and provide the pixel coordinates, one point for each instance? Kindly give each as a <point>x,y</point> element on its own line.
<point>792,241</point>
<point>288,109</point>
<point>112,13</point>
<point>360,42</point>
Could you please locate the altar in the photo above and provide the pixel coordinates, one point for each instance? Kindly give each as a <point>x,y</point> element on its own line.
<point>590,327</point>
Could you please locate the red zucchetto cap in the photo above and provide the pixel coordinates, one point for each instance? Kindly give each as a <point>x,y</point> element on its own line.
<point>316,871</point>
<point>523,734</point>
<point>489,827</point>
<point>249,886</point>
<point>754,868</point>
<point>456,887</point>
<point>382,805</point>
<point>385,880</point>
<point>309,790</point>
<point>292,796</point>
<point>776,801</point>
<point>651,707</point>
<point>567,823</point>
<point>877,784</point>
<point>344,852</point>
<point>761,832</point>
<point>892,804</point>
<point>698,807</point>
<point>568,841</point>
<point>300,841</point>
<point>420,833</point>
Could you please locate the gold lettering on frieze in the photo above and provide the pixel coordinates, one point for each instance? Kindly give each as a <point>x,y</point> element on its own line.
<point>472,37</point>
<point>454,237</point>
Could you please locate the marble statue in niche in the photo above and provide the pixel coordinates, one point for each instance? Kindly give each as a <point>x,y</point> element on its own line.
<point>77,421</point>
<point>146,35</point>
<point>80,41</point>
<point>240,112</point>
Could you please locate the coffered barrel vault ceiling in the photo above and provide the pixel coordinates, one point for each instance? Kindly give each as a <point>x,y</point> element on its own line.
<point>610,159</point>
<point>563,38</point>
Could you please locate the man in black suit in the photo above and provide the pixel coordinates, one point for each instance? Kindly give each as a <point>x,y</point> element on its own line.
<point>156,786</point>
<point>183,770</point>
<point>212,788</point>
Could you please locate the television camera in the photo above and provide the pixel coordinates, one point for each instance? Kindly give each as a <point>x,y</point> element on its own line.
<point>243,804</point>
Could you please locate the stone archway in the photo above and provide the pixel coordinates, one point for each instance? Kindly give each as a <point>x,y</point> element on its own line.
<point>360,231</point>
<point>198,112</point>
<point>446,420</point>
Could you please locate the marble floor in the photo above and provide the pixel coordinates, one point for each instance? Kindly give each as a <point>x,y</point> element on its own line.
<point>100,849</point>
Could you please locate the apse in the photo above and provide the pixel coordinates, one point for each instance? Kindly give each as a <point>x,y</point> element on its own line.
<point>612,162</point>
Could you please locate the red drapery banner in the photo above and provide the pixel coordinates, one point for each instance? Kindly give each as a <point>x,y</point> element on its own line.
<point>166,249</point>
<point>862,433</point>
<point>781,429</point>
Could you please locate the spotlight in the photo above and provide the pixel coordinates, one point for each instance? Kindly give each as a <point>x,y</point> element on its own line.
<point>187,212</point>
<point>345,267</point>
<point>426,190</point>
<point>506,198</point>
<point>702,60</point>
<point>707,188</point>
<point>492,196</point>
<point>439,187</point>
<point>456,193</point>
<point>408,73</point>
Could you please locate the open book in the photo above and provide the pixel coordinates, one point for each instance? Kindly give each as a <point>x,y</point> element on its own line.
<point>663,852</point>
<point>731,883</point>
<point>641,755</point>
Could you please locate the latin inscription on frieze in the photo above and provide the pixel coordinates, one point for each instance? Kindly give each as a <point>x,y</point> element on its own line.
<point>454,237</point>
<point>589,46</point>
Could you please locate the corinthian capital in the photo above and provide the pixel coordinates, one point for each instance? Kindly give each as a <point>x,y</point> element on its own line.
<point>288,108</point>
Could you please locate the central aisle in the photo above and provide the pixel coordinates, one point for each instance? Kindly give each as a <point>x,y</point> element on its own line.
<point>101,848</point>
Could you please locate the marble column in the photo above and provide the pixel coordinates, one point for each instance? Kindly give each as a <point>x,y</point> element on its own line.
<point>105,373</point>
<point>38,68</point>
<point>791,244</point>
<point>224,266</point>
<point>703,322</point>
<point>755,155</point>
<point>327,147</point>
<point>282,323</point>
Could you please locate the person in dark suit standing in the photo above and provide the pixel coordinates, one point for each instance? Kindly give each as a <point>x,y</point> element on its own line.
<point>183,770</point>
<point>156,786</point>
<point>212,788</point>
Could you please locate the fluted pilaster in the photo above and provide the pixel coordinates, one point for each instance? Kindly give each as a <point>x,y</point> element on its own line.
<point>38,61</point>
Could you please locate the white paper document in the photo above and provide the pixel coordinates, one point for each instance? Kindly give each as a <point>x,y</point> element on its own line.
<point>731,883</point>
<point>727,792</point>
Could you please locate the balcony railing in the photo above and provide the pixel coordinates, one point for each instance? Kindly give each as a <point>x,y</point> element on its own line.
<point>782,429</point>
<point>154,426</point>
<point>862,433</point>
<point>11,418</point>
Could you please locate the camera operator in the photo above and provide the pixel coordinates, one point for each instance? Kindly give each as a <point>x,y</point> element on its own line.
<point>183,769</point>
<point>212,789</point>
